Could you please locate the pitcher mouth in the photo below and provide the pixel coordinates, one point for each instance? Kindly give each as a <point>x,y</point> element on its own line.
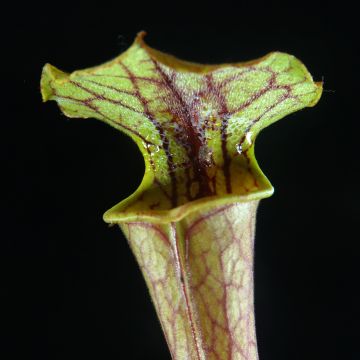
<point>117,214</point>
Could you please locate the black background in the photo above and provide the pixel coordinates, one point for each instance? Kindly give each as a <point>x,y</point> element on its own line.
<point>71,286</point>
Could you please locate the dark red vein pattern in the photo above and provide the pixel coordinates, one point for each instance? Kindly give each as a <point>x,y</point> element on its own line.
<point>196,127</point>
<point>200,275</point>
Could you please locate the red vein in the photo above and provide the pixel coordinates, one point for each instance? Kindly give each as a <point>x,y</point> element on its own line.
<point>102,97</point>
<point>160,130</point>
<point>141,78</point>
<point>87,103</point>
<point>184,115</point>
<point>110,87</point>
<point>223,113</point>
<point>184,290</point>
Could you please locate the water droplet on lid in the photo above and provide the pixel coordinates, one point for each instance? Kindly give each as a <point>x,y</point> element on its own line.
<point>239,148</point>
<point>248,138</point>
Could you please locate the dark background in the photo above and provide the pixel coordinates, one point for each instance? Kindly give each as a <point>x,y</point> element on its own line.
<point>71,286</point>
